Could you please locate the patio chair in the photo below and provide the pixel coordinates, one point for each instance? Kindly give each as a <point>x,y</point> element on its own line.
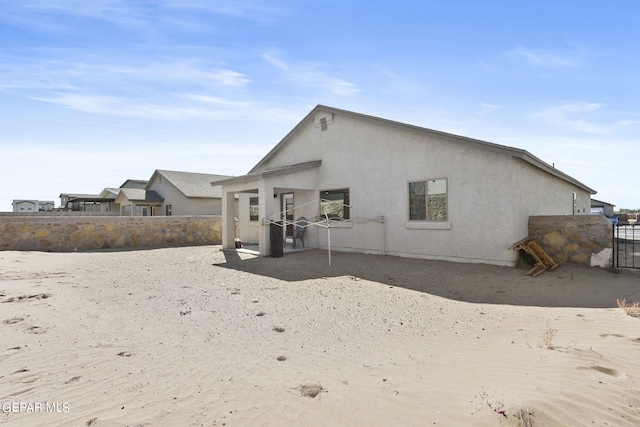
<point>298,232</point>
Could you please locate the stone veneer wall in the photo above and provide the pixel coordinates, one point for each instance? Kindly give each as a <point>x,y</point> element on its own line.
<point>580,239</point>
<point>65,234</point>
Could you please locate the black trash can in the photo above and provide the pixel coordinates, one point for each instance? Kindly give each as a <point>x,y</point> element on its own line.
<point>277,247</point>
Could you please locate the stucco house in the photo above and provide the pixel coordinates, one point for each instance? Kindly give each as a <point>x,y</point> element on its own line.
<point>385,187</point>
<point>104,202</point>
<point>187,193</point>
<point>169,193</point>
<point>139,202</point>
<point>599,207</point>
<point>31,206</point>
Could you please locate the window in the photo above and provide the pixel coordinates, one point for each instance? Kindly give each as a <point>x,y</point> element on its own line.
<point>428,200</point>
<point>168,209</point>
<point>335,204</point>
<point>254,211</point>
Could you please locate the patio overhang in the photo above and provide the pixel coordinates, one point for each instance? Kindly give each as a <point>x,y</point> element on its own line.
<point>268,184</point>
<point>268,173</point>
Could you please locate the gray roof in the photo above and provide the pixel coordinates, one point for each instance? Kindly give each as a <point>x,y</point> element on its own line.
<point>140,195</point>
<point>503,149</point>
<point>134,183</point>
<point>79,195</point>
<point>193,184</point>
<point>596,203</point>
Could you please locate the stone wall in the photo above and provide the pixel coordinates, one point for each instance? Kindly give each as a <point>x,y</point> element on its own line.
<point>580,239</point>
<point>65,234</point>
<point>437,207</point>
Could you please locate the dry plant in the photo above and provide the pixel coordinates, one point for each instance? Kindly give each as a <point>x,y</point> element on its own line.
<point>631,308</point>
<point>547,338</point>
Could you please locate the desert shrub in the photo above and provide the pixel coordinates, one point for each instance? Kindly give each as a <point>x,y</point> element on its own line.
<point>631,308</point>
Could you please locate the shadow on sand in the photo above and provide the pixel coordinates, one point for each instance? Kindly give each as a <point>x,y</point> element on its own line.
<point>568,286</point>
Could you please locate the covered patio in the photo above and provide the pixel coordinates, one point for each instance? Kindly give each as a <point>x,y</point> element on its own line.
<point>284,194</point>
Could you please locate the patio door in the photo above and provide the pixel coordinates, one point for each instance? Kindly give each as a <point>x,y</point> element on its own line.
<point>287,215</point>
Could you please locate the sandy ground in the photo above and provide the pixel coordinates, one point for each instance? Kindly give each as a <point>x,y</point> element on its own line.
<point>200,337</point>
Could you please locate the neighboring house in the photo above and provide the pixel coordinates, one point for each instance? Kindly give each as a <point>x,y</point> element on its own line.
<point>109,199</point>
<point>187,193</point>
<point>602,208</point>
<point>103,202</point>
<point>139,202</point>
<point>166,193</point>
<point>397,189</point>
<point>32,206</point>
<point>80,202</point>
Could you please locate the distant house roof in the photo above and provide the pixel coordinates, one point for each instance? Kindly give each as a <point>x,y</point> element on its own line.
<point>134,183</point>
<point>192,184</point>
<point>141,195</point>
<point>80,196</point>
<point>514,152</point>
<point>110,193</point>
<point>598,203</point>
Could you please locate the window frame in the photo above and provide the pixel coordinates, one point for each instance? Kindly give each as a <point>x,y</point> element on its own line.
<point>346,202</point>
<point>256,206</point>
<point>426,220</point>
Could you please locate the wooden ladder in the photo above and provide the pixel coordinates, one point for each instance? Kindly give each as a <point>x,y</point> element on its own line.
<point>543,261</point>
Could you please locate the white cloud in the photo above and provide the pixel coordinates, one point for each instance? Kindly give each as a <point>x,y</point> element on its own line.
<point>488,108</point>
<point>571,116</point>
<point>172,108</point>
<point>624,123</point>
<point>276,62</point>
<point>341,87</point>
<point>550,59</point>
<point>128,107</point>
<point>312,75</point>
<point>140,15</point>
<point>214,100</point>
<point>230,78</point>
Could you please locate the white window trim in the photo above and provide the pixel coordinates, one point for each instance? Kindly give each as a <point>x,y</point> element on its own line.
<point>428,225</point>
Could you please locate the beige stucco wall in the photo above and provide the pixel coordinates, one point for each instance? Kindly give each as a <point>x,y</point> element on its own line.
<point>538,193</point>
<point>63,234</point>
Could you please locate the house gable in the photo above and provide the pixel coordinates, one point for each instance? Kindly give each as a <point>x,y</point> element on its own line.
<point>321,118</point>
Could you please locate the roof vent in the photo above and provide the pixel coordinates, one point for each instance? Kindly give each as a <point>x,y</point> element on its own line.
<point>323,120</point>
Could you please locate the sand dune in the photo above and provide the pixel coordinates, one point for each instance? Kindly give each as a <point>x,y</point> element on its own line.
<point>200,337</point>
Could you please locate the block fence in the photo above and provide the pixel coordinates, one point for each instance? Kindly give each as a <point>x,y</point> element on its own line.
<point>579,239</point>
<point>66,234</point>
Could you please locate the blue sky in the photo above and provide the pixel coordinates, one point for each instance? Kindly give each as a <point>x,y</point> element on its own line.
<point>96,92</point>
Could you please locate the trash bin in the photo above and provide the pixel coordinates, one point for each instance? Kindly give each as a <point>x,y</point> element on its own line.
<point>277,247</point>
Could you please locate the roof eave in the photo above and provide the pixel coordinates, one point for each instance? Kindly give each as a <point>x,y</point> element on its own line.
<point>533,160</point>
<point>269,173</point>
<point>512,151</point>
